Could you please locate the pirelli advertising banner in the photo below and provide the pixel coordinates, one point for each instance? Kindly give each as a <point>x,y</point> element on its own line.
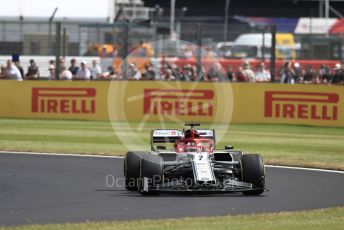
<point>48,99</point>
<point>144,101</point>
<point>170,101</point>
<point>319,105</point>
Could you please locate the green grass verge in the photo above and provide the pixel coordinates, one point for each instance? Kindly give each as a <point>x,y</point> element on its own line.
<point>329,219</point>
<point>320,147</point>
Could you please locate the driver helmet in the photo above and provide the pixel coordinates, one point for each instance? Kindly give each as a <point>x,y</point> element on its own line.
<point>188,133</point>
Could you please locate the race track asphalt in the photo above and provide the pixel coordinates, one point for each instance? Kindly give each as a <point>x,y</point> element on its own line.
<point>59,189</point>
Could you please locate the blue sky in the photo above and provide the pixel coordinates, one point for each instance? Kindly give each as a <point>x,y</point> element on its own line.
<point>44,8</point>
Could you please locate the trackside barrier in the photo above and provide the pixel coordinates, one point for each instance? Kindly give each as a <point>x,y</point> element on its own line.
<point>318,105</point>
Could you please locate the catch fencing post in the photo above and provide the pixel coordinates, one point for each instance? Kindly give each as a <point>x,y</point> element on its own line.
<point>64,42</point>
<point>273,52</point>
<point>199,51</point>
<point>125,50</point>
<point>57,50</point>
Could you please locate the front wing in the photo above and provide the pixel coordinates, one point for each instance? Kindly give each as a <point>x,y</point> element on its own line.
<point>179,186</point>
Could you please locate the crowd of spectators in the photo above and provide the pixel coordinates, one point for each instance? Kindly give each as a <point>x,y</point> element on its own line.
<point>11,70</point>
<point>14,70</point>
<point>74,71</point>
<point>294,73</point>
<point>290,73</point>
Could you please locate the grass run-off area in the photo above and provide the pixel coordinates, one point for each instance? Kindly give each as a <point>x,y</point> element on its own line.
<point>329,219</point>
<point>320,147</point>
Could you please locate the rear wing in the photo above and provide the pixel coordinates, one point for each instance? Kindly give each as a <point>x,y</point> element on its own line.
<point>207,133</point>
<point>172,135</point>
<point>165,135</point>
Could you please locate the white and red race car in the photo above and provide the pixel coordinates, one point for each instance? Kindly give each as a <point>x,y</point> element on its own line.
<point>193,164</point>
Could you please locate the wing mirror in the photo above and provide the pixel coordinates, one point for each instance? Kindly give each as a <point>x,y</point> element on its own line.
<point>229,147</point>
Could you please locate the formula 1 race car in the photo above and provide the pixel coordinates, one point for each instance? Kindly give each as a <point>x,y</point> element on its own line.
<point>193,164</point>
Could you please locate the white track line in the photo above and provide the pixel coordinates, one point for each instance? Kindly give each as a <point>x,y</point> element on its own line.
<point>301,168</point>
<point>119,157</point>
<point>60,154</point>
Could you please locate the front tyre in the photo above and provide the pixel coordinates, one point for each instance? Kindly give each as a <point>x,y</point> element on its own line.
<point>253,172</point>
<point>151,168</point>
<point>132,170</point>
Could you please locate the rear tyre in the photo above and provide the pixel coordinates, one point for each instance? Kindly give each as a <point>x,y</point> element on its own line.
<point>151,167</point>
<point>132,170</point>
<point>253,172</point>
